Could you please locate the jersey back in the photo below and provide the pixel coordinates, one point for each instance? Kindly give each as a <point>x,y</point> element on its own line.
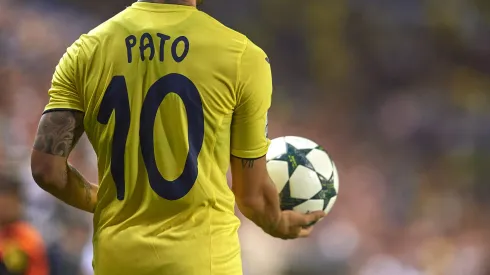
<point>162,88</point>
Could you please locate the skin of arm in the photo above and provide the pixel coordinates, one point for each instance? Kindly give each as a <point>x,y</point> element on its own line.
<point>57,135</point>
<point>256,195</point>
<point>257,198</point>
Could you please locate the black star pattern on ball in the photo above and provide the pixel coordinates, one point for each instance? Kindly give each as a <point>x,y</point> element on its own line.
<point>328,191</point>
<point>296,157</point>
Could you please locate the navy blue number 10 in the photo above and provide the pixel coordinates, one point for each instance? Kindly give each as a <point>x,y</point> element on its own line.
<point>116,99</point>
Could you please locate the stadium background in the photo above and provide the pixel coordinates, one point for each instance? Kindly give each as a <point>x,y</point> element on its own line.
<point>398,91</point>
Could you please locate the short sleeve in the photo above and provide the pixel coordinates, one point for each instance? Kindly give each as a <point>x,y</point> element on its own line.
<point>254,93</point>
<point>64,92</point>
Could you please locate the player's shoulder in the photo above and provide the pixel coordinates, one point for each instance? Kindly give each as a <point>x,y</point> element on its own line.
<point>218,26</point>
<point>222,33</point>
<point>254,50</point>
<point>87,43</point>
<point>102,33</point>
<point>232,36</point>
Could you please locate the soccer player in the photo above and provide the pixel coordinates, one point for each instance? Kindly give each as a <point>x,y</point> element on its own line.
<point>166,95</point>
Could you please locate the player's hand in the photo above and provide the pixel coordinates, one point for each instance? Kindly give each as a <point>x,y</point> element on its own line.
<point>294,225</point>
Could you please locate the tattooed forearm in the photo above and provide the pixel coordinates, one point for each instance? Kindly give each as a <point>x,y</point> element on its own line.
<point>69,185</point>
<point>76,190</point>
<point>82,184</point>
<point>59,132</point>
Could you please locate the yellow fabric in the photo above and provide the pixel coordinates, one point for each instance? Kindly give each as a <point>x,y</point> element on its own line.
<point>194,233</point>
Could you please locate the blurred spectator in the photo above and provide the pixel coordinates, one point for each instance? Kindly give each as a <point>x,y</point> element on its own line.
<point>22,250</point>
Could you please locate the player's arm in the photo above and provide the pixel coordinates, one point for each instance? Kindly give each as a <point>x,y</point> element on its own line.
<point>258,200</point>
<point>60,128</point>
<point>57,135</point>
<point>256,195</point>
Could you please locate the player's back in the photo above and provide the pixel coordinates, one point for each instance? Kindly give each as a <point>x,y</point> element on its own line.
<point>159,90</point>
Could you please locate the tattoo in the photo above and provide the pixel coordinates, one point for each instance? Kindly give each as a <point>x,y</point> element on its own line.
<point>59,132</point>
<point>248,163</point>
<point>82,183</point>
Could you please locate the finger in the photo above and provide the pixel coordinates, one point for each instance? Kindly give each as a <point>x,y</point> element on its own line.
<point>313,217</point>
<point>305,232</point>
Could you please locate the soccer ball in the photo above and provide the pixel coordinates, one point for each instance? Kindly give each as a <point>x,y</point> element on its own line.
<point>304,174</point>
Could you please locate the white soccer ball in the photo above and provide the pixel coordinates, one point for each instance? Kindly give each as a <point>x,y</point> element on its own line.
<point>304,174</point>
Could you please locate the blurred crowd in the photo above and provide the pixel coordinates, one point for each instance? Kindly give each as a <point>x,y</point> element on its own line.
<point>398,92</point>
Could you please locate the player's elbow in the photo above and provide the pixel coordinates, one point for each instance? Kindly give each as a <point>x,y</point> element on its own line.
<point>249,204</point>
<point>44,171</point>
<point>250,208</point>
<point>42,175</point>
<point>261,210</point>
<point>253,206</point>
<point>247,200</point>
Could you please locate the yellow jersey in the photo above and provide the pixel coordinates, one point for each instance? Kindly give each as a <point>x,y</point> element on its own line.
<point>168,94</point>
